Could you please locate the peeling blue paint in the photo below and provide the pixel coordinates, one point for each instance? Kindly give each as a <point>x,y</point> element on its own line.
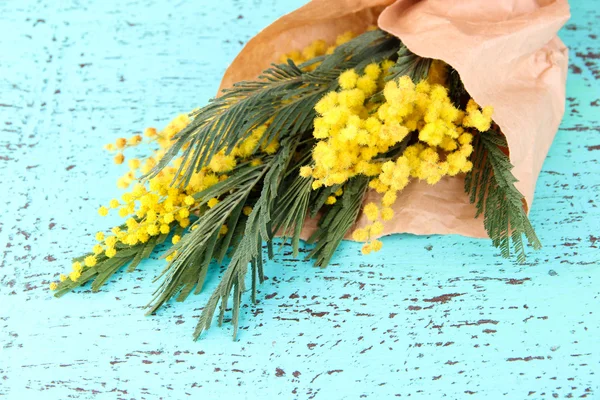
<point>428,317</point>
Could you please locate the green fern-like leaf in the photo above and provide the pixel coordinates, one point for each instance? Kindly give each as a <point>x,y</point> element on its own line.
<point>201,245</point>
<point>408,63</point>
<point>258,228</point>
<point>491,188</point>
<point>293,202</point>
<point>337,221</point>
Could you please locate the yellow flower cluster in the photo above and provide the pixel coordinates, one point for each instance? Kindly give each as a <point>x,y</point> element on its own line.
<point>121,144</point>
<point>315,49</point>
<point>150,213</point>
<point>223,162</point>
<point>350,135</point>
<point>157,208</point>
<point>354,134</point>
<point>372,212</point>
<point>443,146</point>
<point>137,167</point>
<point>478,119</point>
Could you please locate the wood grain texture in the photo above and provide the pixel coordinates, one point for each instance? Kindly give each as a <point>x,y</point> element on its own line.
<point>428,317</point>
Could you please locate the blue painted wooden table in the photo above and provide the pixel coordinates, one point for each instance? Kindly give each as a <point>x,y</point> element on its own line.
<point>429,317</point>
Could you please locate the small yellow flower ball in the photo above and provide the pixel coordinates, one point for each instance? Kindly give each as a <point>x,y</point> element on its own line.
<point>97,249</point>
<point>151,216</point>
<point>389,198</point>
<point>387,64</point>
<point>131,223</point>
<point>344,38</point>
<point>330,200</point>
<point>150,132</point>
<point>168,217</point>
<point>119,158</point>
<point>175,239</point>
<point>90,261</point>
<point>100,236</point>
<point>360,235</point>
<point>122,183</point>
<point>184,223</point>
<point>272,147</point>
<point>212,202</point>
<point>465,138</point>
<point>306,171</point>
<point>164,229</point>
<point>111,241</point>
<point>247,210</point>
<point>366,249</point>
<point>367,85</point>
<point>387,213</point>
<point>77,266</point>
<point>371,211</point>
<point>152,230</point>
<point>138,191</point>
<point>326,103</point>
<point>62,277</point>
<point>110,252</point>
<point>53,286</point>
<point>376,228</point>
<point>135,140</point>
<point>189,200</point>
<point>74,276</point>
<point>184,213</point>
<point>347,79</point>
<point>376,245</point>
<point>121,143</point>
<point>171,256</point>
<point>223,230</point>
<point>134,163</point>
<point>103,211</point>
<point>373,71</point>
<point>114,203</point>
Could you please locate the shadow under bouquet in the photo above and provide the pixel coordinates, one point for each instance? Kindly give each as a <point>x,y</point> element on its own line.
<point>375,117</point>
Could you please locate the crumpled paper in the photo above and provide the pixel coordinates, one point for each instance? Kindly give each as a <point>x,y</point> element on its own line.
<point>506,52</point>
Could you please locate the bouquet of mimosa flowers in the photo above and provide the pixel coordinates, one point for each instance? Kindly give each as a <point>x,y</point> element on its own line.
<point>369,118</point>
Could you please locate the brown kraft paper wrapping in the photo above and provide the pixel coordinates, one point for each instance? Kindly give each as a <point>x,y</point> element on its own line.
<point>506,52</point>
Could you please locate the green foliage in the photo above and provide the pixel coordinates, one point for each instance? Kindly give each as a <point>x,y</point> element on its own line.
<point>337,221</point>
<point>408,63</point>
<point>292,204</point>
<point>490,186</point>
<point>456,89</point>
<point>202,243</point>
<point>258,228</point>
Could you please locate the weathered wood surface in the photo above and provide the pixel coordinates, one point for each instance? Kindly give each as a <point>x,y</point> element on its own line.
<point>428,317</point>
